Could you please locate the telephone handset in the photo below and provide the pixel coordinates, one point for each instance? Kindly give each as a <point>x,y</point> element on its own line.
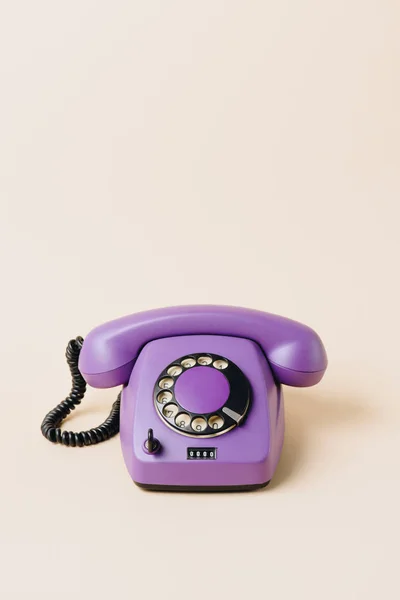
<point>201,406</point>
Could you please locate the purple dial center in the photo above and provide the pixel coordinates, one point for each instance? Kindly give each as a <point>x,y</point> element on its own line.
<point>202,390</point>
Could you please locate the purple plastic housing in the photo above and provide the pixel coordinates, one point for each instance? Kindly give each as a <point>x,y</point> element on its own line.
<point>269,350</point>
<point>246,455</point>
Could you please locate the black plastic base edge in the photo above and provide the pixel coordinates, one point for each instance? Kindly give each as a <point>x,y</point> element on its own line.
<point>202,488</point>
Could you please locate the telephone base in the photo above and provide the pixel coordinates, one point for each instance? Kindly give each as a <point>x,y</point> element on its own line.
<point>202,488</point>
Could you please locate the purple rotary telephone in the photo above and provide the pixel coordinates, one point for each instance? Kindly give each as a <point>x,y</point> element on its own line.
<point>201,407</point>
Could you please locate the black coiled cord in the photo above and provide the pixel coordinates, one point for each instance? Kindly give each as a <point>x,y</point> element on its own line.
<point>52,421</point>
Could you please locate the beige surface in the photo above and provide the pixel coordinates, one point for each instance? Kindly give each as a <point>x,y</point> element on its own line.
<point>158,153</point>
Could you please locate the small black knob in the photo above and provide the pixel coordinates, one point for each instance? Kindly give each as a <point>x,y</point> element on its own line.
<point>152,444</point>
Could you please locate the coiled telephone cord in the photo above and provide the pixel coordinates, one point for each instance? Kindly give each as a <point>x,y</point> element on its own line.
<point>51,423</point>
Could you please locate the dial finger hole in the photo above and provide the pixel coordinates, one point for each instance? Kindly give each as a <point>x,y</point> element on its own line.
<point>170,410</point>
<point>199,424</point>
<point>215,422</point>
<point>204,360</point>
<point>220,364</point>
<point>188,362</point>
<point>182,420</point>
<point>166,383</point>
<point>174,371</point>
<point>164,397</point>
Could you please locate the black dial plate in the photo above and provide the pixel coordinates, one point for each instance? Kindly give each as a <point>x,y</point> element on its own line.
<point>204,425</point>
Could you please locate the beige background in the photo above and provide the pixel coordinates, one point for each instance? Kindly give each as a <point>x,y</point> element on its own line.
<point>160,153</point>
